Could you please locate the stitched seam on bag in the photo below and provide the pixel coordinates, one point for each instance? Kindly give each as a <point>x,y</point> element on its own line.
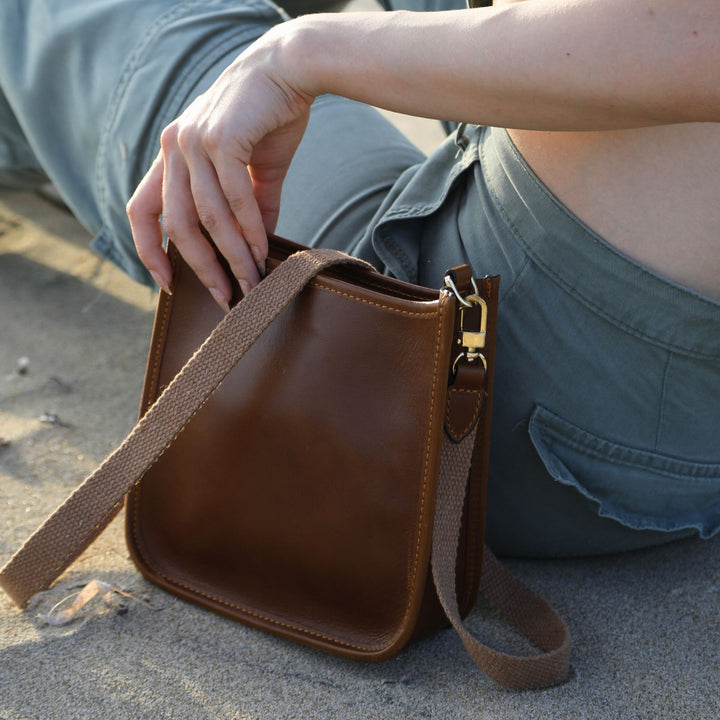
<point>157,355</point>
<point>413,566</point>
<point>377,285</point>
<point>160,346</point>
<point>266,618</point>
<point>428,314</point>
<point>428,437</point>
<point>473,419</point>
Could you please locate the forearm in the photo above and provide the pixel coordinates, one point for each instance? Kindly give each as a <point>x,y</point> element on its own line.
<point>538,65</point>
<point>544,64</point>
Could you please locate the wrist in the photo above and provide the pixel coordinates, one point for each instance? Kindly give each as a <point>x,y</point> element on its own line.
<point>308,53</point>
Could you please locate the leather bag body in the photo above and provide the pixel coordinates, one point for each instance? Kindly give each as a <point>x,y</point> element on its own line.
<point>314,463</point>
<point>300,498</point>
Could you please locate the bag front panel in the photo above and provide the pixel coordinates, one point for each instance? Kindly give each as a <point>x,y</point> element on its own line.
<point>300,498</point>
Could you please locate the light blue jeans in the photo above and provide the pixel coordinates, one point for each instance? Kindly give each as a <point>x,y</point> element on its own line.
<point>607,405</point>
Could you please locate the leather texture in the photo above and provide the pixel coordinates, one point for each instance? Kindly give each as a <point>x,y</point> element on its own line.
<point>300,498</point>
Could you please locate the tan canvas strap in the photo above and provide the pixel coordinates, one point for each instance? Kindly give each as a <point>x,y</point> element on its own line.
<point>521,607</point>
<point>88,510</point>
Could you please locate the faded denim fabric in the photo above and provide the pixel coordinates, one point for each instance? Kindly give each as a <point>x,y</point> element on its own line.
<point>92,84</point>
<point>607,393</point>
<point>607,404</point>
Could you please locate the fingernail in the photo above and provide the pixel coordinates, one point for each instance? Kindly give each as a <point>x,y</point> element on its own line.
<point>162,284</point>
<point>259,260</point>
<point>245,287</point>
<point>220,299</point>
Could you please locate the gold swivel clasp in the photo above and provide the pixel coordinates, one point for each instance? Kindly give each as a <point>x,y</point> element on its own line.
<point>473,324</point>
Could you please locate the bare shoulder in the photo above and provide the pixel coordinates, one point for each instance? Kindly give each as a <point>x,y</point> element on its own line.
<point>650,192</point>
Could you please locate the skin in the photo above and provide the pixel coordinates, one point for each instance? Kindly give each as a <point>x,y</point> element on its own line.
<point>613,103</point>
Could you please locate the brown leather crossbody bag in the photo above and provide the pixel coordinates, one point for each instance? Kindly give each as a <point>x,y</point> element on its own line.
<point>314,463</point>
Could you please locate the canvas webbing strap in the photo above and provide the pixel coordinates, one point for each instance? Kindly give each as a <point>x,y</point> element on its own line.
<point>525,610</point>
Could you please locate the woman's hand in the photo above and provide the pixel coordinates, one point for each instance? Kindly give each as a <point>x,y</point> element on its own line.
<point>550,65</point>
<point>221,167</point>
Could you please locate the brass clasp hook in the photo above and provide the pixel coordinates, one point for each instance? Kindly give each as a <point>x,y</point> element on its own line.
<point>472,340</point>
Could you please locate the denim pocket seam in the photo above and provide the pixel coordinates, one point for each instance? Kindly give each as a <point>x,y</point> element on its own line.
<point>557,428</point>
<point>550,434</point>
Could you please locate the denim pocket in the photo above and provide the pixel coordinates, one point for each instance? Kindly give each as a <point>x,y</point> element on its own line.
<point>641,489</point>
